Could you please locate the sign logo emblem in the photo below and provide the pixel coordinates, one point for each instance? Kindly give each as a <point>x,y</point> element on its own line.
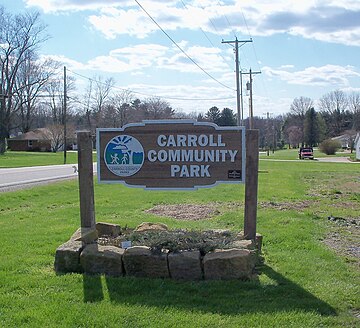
<point>124,155</point>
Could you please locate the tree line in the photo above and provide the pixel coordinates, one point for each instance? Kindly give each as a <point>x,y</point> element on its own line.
<point>32,96</point>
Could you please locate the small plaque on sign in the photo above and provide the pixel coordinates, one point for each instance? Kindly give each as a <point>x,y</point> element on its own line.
<point>126,244</point>
<point>234,174</point>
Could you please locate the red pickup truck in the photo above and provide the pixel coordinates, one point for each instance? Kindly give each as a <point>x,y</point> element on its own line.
<point>306,152</point>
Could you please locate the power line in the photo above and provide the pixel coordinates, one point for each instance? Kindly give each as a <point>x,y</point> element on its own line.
<point>253,47</point>
<point>149,95</point>
<point>217,31</point>
<point>206,36</point>
<point>227,20</point>
<point>183,51</point>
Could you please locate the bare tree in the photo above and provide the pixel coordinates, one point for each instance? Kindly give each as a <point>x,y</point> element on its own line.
<point>295,135</point>
<point>19,35</point>
<point>333,106</point>
<point>55,135</point>
<point>300,106</point>
<point>96,101</point>
<point>121,102</point>
<point>32,77</point>
<point>100,97</point>
<point>54,100</point>
<point>354,106</point>
<point>87,104</point>
<point>350,136</point>
<point>155,109</point>
<point>298,110</point>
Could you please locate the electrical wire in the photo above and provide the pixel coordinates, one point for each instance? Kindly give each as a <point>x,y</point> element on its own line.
<point>207,37</point>
<point>256,57</point>
<point>149,95</point>
<point>183,51</point>
<point>253,46</point>
<point>227,20</point>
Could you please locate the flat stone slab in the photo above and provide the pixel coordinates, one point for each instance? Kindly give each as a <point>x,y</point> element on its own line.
<point>87,235</point>
<point>226,264</point>
<point>108,229</point>
<point>243,244</point>
<point>98,259</point>
<point>148,226</point>
<point>185,265</point>
<point>140,261</point>
<point>67,257</point>
<point>258,241</point>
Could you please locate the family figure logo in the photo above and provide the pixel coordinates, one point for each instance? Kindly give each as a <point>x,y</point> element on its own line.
<point>124,155</point>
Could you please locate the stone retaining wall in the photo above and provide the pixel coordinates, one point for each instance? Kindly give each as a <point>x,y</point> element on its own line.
<point>83,254</point>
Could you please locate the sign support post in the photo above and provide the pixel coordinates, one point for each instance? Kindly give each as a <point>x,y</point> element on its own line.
<point>251,183</point>
<point>86,182</point>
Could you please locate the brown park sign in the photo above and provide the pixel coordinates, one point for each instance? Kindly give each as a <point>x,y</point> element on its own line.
<point>171,154</point>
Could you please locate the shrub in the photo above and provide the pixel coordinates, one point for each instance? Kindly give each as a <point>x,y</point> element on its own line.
<point>329,146</point>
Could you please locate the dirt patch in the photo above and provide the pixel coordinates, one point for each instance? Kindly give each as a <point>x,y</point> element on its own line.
<point>344,238</point>
<point>287,206</point>
<point>185,211</point>
<point>332,186</point>
<point>342,192</point>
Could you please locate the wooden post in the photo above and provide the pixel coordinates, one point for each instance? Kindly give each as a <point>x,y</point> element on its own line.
<point>251,183</point>
<point>86,180</point>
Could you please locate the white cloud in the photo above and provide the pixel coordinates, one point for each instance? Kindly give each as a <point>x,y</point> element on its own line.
<point>207,58</point>
<point>327,75</point>
<point>275,106</point>
<point>136,58</point>
<point>188,98</point>
<point>113,22</point>
<point>75,65</point>
<point>54,6</point>
<point>324,20</point>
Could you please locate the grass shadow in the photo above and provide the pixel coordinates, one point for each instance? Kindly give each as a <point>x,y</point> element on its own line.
<point>224,297</point>
<point>93,291</point>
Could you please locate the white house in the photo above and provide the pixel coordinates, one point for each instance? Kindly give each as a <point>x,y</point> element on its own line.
<point>357,146</point>
<point>344,141</point>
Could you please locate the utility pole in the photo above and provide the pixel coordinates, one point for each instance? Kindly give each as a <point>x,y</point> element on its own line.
<point>242,99</point>
<point>251,114</point>
<point>267,132</point>
<point>237,71</point>
<point>250,88</point>
<point>64,115</point>
<point>3,135</point>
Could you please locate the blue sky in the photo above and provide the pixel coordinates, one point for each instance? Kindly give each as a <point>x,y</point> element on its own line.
<point>303,48</point>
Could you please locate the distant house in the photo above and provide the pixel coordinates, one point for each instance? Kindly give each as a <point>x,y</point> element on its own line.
<point>357,146</point>
<point>36,140</point>
<point>344,140</point>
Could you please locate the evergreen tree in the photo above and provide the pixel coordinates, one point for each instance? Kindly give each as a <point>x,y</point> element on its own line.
<point>227,117</point>
<point>213,115</point>
<point>311,128</point>
<point>322,127</point>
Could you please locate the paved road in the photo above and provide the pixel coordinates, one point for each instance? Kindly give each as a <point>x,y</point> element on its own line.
<point>335,160</point>
<point>27,176</point>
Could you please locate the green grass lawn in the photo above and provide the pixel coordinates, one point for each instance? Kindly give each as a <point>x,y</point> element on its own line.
<point>303,282</point>
<point>292,154</point>
<point>21,158</point>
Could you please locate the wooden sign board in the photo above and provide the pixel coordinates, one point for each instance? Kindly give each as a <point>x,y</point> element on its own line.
<point>171,154</point>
